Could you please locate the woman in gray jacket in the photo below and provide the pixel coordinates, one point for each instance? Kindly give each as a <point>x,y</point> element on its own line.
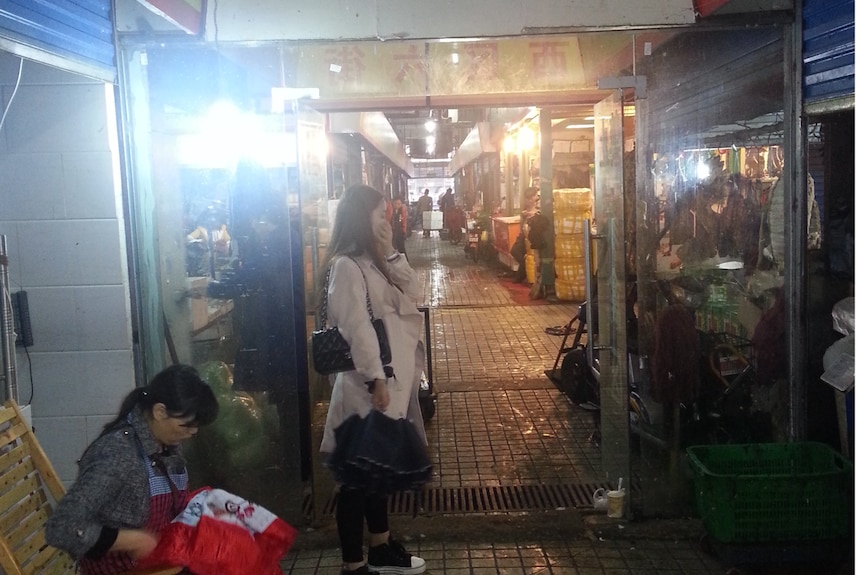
<point>361,257</point>
<point>132,479</point>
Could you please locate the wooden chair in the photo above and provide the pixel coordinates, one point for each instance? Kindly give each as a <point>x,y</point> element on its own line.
<point>29,489</point>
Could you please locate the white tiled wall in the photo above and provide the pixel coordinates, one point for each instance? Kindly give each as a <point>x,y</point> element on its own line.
<point>60,211</point>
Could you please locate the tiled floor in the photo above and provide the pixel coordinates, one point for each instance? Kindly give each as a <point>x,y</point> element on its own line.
<point>582,557</point>
<point>500,422</point>
<point>511,437</point>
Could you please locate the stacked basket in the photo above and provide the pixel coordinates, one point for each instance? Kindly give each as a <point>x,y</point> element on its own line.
<point>530,264</point>
<point>571,207</point>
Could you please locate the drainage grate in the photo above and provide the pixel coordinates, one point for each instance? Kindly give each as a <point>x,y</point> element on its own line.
<point>496,499</point>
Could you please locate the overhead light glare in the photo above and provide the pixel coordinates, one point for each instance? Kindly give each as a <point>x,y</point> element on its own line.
<point>526,139</point>
<point>579,126</point>
<point>430,125</point>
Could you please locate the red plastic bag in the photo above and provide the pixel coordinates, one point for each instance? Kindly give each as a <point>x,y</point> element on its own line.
<point>222,534</point>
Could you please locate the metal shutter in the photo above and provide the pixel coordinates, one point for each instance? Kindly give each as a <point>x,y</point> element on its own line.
<point>75,35</point>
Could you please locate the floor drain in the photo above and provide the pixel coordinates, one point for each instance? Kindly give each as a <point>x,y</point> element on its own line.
<point>492,499</point>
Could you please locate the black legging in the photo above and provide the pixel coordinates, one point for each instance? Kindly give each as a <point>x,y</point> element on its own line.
<point>354,505</point>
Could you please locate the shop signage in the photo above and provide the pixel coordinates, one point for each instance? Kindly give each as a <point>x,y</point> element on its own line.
<point>398,69</point>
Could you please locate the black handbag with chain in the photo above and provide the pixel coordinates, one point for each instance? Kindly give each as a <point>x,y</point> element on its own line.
<point>330,352</point>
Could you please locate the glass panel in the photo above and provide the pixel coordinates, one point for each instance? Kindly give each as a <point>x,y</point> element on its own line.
<point>317,213</point>
<point>610,276</point>
<point>710,252</point>
<point>225,225</point>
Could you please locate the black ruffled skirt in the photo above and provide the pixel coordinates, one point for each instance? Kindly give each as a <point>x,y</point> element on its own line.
<point>379,455</point>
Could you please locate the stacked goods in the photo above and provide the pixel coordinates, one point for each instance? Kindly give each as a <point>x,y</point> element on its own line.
<point>530,265</point>
<point>571,207</point>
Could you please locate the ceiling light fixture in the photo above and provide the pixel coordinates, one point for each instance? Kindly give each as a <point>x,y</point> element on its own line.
<point>429,160</point>
<point>526,139</point>
<point>431,125</point>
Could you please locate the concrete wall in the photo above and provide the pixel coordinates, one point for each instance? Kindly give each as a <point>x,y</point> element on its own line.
<point>62,215</point>
<point>229,20</point>
<point>389,19</point>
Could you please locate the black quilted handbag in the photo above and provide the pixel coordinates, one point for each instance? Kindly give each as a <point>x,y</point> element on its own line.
<point>330,352</point>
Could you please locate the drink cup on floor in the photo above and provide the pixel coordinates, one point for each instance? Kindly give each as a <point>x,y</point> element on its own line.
<point>616,503</point>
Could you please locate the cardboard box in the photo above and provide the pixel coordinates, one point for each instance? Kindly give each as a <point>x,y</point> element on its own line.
<point>197,287</point>
<point>432,220</point>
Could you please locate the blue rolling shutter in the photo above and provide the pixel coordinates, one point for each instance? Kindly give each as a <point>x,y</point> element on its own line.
<point>73,34</point>
<point>828,45</point>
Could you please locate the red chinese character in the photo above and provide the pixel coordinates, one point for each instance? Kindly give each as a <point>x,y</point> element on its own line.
<point>549,60</point>
<point>412,62</point>
<point>482,60</point>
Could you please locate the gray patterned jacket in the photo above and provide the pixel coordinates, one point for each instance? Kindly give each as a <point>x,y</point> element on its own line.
<point>111,491</point>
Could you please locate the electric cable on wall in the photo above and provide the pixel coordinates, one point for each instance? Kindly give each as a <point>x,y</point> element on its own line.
<point>15,91</point>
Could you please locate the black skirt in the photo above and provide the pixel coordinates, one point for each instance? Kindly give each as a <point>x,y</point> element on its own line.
<point>379,454</point>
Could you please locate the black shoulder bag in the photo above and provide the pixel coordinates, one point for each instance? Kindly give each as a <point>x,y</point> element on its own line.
<point>329,350</point>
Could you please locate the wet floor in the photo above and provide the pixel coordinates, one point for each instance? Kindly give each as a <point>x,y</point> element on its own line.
<point>512,458</point>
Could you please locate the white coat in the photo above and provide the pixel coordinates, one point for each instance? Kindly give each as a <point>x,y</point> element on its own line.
<point>404,328</point>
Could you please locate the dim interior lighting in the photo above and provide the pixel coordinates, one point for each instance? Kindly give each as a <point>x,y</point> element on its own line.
<point>430,125</point>
<point>702,170</point>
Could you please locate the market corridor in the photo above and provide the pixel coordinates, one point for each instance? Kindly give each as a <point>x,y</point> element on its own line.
<point>514,470</point>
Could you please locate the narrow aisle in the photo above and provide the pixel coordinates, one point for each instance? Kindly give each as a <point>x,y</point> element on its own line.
<point>500,422</point>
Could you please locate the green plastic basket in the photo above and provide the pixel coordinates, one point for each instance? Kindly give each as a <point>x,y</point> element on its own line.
<point>765,492</point>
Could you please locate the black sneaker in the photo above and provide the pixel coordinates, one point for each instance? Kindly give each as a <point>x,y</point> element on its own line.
<point>361,571</point>
<point>392,559</point>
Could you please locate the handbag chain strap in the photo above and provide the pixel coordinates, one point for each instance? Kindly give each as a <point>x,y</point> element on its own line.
<point>323,309</point>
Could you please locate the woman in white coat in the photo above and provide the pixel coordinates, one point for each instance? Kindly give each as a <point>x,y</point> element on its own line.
<point>361,245</point>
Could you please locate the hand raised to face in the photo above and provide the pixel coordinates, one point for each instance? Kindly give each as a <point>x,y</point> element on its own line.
<point>382,230</point>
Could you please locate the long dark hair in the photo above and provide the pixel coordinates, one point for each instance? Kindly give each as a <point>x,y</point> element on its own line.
<point>352,234</point>
<point>182,391</point>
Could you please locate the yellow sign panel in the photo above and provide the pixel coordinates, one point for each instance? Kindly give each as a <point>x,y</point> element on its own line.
<point>352,70</point>
<point>505,66</point>
<point>363,69</point>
